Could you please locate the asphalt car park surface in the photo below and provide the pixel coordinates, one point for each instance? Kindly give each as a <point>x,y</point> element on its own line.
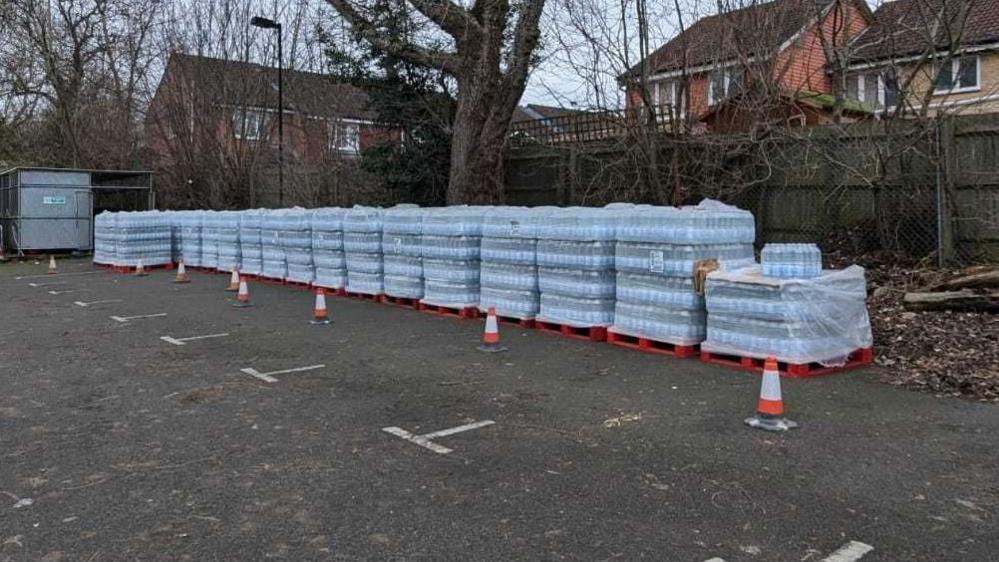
<point>118,445</point>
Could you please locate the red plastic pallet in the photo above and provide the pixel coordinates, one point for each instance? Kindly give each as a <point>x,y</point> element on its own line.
<point>402,301</point>
<point>591,333</point>
<point>341,292</point>
<point>857,358</point>
<point>298,284</point>
<point>651,346</point>
<point>468,312</point>
<point>130,269</point>
<point>514,321</point>
<point>365,296</point>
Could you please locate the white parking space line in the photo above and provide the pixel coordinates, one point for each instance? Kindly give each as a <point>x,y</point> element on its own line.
<point>92,303</point>
<point>425,439</point>
<point>69,291</point>
<point>183,341</point>
<point>48,275</point>
<point>715,560</point>
<point>850,552</point>
<point>268,377</point>
<point>47,284</point>
<point>124,319</point>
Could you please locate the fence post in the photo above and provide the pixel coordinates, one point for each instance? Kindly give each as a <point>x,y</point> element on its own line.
<point>946,170</point>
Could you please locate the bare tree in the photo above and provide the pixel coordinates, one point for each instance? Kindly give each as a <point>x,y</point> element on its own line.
<point>489,51</point>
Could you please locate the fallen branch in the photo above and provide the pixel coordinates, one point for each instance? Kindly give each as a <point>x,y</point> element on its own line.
<point>964,300</point>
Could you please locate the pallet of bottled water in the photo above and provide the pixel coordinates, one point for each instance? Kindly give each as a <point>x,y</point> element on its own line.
<point>656,254</point>
<point>142,235</point>
<point>228,240</point>
<point>105,238</point>
<point>821,319</point>
<point>362,244</point>
<point>791,261</point>
<point>402,228</point>
<point>190,236</point>
<point>210,227</point>
<point>508,275</point>
<point>274,264</point>
<point>250,257</point>
<point>451,246</point>
<point>327,248</point>
<point>296,239</point>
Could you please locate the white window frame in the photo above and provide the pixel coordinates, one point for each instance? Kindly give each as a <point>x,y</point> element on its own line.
<point>674,87</point>
<point>727,73</point>
<point>955,66</point>
<point>862,88</point>
<point>239,115</point>
<point>334,136</point>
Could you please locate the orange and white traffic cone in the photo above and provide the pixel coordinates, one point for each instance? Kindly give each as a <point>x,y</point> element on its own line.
<point>320,315</point>
<point>233,281</point>
<point>52,265</point>
<point>491,337</point>
<point>770,408</point>
<point>243,297</point>
<point>140,270</point>
<point>181,273</point>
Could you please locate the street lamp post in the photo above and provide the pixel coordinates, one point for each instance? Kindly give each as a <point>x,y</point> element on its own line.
<point>264,23</point>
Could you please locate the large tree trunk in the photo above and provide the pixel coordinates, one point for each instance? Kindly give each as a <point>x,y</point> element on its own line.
<point>478,135</point>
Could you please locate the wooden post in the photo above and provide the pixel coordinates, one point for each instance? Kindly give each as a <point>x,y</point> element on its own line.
<point>946,179</point>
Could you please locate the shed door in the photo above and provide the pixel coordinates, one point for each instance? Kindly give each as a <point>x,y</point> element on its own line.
<point>84,219</point>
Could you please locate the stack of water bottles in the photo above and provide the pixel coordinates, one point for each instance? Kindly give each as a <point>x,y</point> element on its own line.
<point>509,270</point>
<point>657,249</point>
<point>250,257</point>
<point>296,239</point>
<point>451,248</point>
<point>210,227</point>
<point>228,240</point>
<point>143,235</point>
<point>362,244</point>
<point>190,236</point>
<point>274,264</point>
<point>820,319</point>
<point>173,218</point>
<point>791,261</point>
<point>576,266</point>
<point>105,237</point>
<point>327,248</point>
<point>402,227</point>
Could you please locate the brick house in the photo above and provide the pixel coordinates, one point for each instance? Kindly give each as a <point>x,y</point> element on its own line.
<point>780,47</point>
<point>944,55</point>
<point>215,114</point>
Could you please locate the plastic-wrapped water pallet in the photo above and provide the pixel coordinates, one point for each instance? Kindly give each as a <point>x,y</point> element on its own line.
<point>296,239</point>
<point>402,227</point>
<point>143,235</point>
<point>789,261</point>
<point>210,227</point>
<point>173,217</point>
<point>228,240</point>
<point>822,320</point>
<point>327,248</point>
<point>655,256</point>
<point>362,244</point>
<point>451,245</point>
<point>190,244</point>
<point>509,273</point>
<point>274,262</point>
<point>105,238</point>
<point>575,258</point>
<point>250,257</point>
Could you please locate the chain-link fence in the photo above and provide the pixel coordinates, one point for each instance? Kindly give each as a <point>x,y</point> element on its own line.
<point>907,190</point>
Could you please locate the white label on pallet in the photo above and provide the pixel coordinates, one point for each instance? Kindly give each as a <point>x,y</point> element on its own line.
<point>657,261</point>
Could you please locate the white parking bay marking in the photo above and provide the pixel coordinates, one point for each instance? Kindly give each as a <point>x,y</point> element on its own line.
<point>425,440</point>
<point>850,552</point>
<point>47,284</point>
<point>93,303</point>
<point>47,275</point>
<point>69,291</point>
<point>124,319</point>
<point>183,341</point>
<point>715,560</point>
<point>269,377</point>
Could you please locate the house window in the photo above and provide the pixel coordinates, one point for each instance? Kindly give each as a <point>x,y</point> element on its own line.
<point>867,88</point>
<point>248,124</point>
<point>959,74</point>
<point>723,83</point>
<point>666,97</point>
<point>345,137</point>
